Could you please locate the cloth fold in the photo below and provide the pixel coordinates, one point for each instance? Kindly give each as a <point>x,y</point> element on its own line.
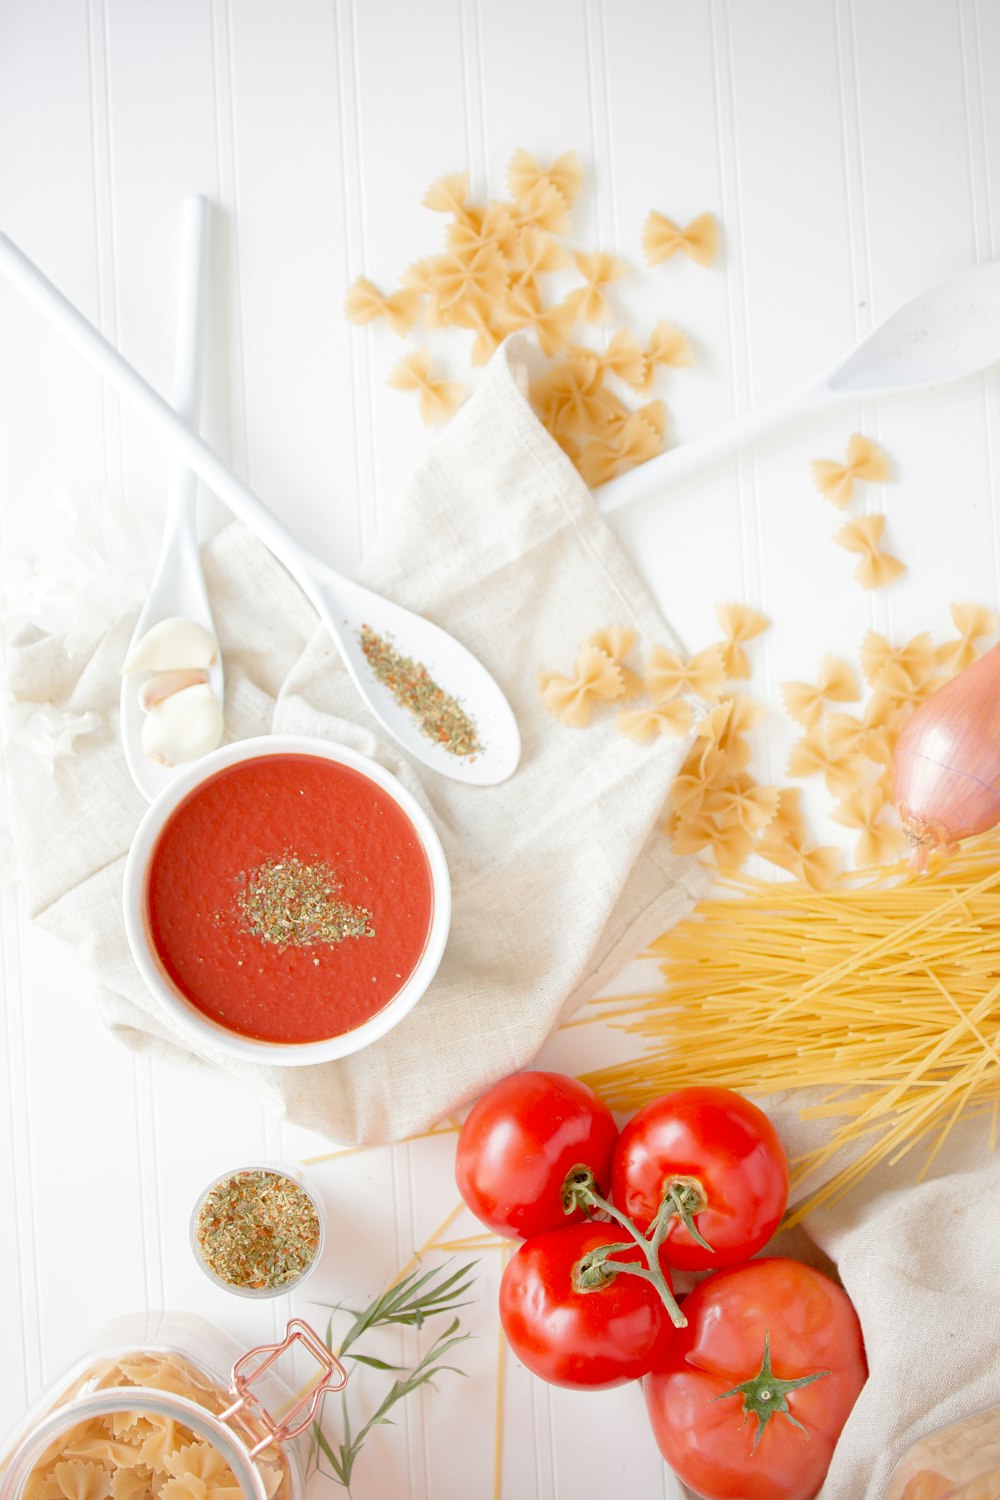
<point>559,875</point>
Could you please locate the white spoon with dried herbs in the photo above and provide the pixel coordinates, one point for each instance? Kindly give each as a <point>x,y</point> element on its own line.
<point>425,688</point>
<point>947,332</point>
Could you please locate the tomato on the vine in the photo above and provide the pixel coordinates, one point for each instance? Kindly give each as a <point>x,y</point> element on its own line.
<point>750,1398</point>
<point>521,1142</point>
<point>717,1160</point>
<point>571,1334</point>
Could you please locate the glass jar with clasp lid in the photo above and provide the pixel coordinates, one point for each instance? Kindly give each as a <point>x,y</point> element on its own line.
<point>166,1397</point>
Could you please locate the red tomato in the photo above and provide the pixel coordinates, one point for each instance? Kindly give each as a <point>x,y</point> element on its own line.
<point>587,1340</point>
<point>519,1144</point>
<point>793,1334</point>
<point>725,1154</point>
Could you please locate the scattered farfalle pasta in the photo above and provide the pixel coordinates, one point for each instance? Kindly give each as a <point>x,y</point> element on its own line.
<point>972,621</point>
<point>438,398</point>
<point>365,303</point>
<point>618,642</point>
<point>865,460</point>
<point>595,679</point>
<point>876,568</point>
<point>879,842</point>
<point>662,238</point>
<point>739,623</point>
<point>668,674</point>
<point>836,683</point>
<point>644,724</point>
<point>490,281</point>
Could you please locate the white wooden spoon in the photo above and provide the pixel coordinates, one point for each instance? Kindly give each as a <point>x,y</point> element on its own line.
<point>951,330</point>
<point>344,606</point>
<point>178,588</point>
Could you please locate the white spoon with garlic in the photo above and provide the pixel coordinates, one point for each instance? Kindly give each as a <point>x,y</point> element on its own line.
<point>172,681</point>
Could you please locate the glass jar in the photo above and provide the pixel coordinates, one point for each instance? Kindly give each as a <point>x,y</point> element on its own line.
<point>957,1462</point>
<point>170,1394</point>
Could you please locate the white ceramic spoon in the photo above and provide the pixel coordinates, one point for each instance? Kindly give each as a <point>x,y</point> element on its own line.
<point>178,587</point>
<point>951,330</point>
<point>343,605</point>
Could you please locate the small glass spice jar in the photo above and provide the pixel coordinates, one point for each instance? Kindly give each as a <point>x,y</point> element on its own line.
<point>257,1230</point>
<point>161,1396</point>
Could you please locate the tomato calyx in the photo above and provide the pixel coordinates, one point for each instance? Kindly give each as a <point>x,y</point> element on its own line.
<point>764,1395</point>
<point>682,1198</point>
<point>579,1190</point>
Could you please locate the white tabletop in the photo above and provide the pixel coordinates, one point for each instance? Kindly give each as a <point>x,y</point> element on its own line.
<point>850,151</point>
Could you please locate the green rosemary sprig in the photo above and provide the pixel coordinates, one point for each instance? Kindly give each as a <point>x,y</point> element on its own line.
<point>408,1304</point>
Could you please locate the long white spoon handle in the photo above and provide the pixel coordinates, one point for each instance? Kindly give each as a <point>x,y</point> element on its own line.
<point>186,443</point>
<point>182,484</point>
<point>678,462</point>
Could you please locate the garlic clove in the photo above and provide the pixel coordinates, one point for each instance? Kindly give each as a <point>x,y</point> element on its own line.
<point>172,644</point>
<point>183,726</point>
<point>155,689</point>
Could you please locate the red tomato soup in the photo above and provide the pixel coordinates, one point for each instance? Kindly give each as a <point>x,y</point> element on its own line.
<point>288,898</point>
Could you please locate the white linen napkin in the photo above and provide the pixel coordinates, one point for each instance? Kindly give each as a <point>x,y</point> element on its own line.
<point>559,876</point>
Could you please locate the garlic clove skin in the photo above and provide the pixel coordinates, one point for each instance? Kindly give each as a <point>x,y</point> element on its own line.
<point>183,726</point>
<point>172,645</point>
<point>155,689</point>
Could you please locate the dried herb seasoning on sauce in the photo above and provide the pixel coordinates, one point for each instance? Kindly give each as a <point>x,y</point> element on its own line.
<point>289,898</point>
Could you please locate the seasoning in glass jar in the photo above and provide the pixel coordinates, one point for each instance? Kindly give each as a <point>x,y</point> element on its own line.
<point>257,1231</point>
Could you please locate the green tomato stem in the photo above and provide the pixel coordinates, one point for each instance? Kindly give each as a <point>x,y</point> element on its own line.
<point>682,1198</point>
<point>580,1191</point>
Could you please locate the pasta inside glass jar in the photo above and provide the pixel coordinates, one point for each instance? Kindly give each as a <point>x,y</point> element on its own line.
<point>143,1420</point>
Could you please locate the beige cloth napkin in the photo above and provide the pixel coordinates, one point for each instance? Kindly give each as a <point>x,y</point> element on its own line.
<point>559,876</point>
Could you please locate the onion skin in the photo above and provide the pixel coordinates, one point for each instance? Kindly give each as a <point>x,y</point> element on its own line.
<point>946,768</point>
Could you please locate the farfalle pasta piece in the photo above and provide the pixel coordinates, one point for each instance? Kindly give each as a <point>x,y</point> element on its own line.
<point>655,413</point>
<point>199,1459</point>
<point>845,735</point>
<point>668,346</point>
<point>568,397</point>
<point>879,842</point>
<point>537,254</point>
<point>972,621</point>
<point>917,658</point>
<point>448,194</point>
<point>82,1481</point>
<point>496,229</point>
<point>455,278</point>
<point>438,398</point>
<point>635,442</point>
<point>813,755</point>
<point>552,325</point>
<point>865,460</point>
<point>876,568</point>
<point>588,302</point>
<point>784,843</point>
<point>595,679</point>
<point>725,728</point>
<point>364,303</point>
<point>544,207</point>
<point>668,674</point>
<point>745,801</point>
<point>836,683</point>
<point>618,641</point>
<point>524,174</point>
<point>472,314</point>
<point>624,358</point>
<point>661,238</point>
<point>739,623</point>
<point>674,717</point>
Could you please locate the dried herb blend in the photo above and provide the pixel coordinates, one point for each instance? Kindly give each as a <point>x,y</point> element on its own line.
<point>258,1230</point>
<point>295,904</point>
<point>440,716</point>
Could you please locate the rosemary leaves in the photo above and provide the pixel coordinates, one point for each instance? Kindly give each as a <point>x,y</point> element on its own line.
<point>294,904</point>
<point>257,1231</point>
<point>440,716</point>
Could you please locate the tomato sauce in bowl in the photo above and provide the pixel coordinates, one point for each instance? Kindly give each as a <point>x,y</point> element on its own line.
<point>288,898</point>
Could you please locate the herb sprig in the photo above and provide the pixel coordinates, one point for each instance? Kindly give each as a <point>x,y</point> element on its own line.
<point>408,1304</point>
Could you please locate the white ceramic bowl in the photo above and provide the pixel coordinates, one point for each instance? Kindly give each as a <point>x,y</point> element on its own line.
<point>187,1015</point>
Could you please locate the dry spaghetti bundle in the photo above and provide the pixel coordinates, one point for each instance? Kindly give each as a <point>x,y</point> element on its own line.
<point>884,991</point>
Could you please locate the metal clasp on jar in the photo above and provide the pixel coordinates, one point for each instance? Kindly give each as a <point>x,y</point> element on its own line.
<point>295,1421</point>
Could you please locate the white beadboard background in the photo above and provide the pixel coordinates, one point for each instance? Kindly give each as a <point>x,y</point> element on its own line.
<point>850,151</point>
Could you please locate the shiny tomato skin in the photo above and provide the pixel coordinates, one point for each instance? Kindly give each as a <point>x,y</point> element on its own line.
<point>730,1147</point>
<point>585,1340</point>
<point>812,1326</point>
<point>521,1140</point>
